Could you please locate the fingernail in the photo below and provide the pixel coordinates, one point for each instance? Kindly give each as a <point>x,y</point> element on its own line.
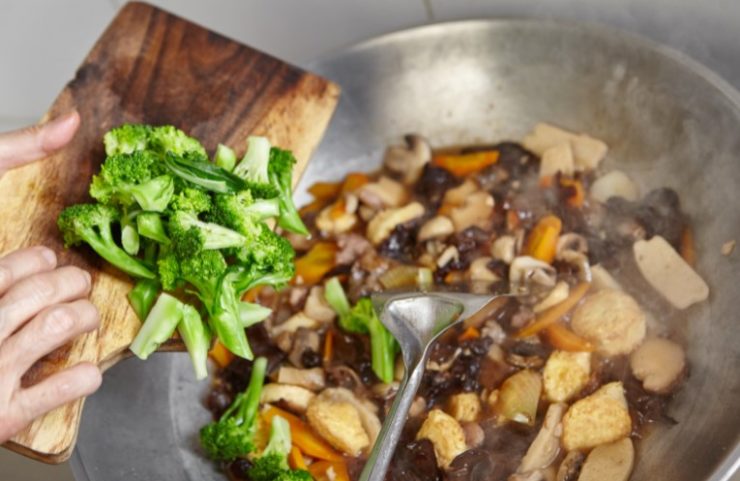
<point>64,118</point>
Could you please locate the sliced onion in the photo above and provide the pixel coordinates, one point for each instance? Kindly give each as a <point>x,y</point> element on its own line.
<point>519,396</point>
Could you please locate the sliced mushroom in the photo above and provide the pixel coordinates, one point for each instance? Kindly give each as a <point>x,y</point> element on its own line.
<point>293,323</point>
<point>525,270</point>
<point>448,255</point>
<point>410,159</point>
<point>546,446</point>
<point>504,249</point>
<point>295,398</point>
<point>571,242</point>
<point>331,222</point>
<point>381,226</point>
<point>385,192</point>
<point>609,462</point>
<point>312,379</point>
<point>479,271</point>
<point>474,435</point>
<point>436,228</point>
<point>579,261</point>
<point>588,152</point>
<point>418,407</point>
<point>458,195</point>
<point>557,295</point>
<point>477,210</point>
<point>668,273</point>
<point>614,184</point>
<point>612,320</point>
<point>658,363</point>
<point>316,306</point>
<point>304,340</point>
<point>570,468</point>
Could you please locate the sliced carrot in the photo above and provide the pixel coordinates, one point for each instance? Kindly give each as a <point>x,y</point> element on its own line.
<point>295,458</point>
<point>566,340</point>
<point>512,220</point>
<point>445,209</point>
<point>578,196</point>
<point>312,207</point>
<point>546,181</point>
<point>320,259</point>
<point>542,241</point>
<point>328,346</point>
<point>325,190</point>
<point>555,313</point>
<point>252,294</point>
<point>468,334</point>
<point>319,470</point>
<point>338,209</point>
<point>454,277</point>
<point>466,164</point>
<point>303,437</point>
<point>220,354</point>
<point>354,181</point>
<point>687,248</point>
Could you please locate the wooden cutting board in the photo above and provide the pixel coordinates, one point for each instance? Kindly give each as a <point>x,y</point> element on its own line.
<point>153,67</point>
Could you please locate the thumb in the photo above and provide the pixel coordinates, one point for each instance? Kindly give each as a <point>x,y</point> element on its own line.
<point>36,142</point>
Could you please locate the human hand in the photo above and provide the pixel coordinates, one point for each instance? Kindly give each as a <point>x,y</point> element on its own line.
<point>42,306</point>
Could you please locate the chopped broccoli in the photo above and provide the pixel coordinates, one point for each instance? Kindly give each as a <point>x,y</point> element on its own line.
<point>281,177</point>
<point>150,225</point>
<point>192,200</point>
<point>190,235</point>
<point>142,296</point>
<point>225,157</point>
<point>240,211</point>
<point>268,252</point>
<point>197,339</point>
<point>126,139</point>
<point>202,270</point>
<point>362,319</point>
<point>91,223</point>
<point>159,326</point>
<point>274,458</point>
<point>232,435</point>
<point>136,177</point>
<point>129,237</point>
<point>167,138</point>
<point>253,167</point>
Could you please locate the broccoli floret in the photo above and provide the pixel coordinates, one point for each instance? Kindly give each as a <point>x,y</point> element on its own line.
<point>167,138</point>
<point>232,435</point>
<point>253,167</point>
<point>190,235</point>
<point>126,139</point>
<point>191,200</point>
<point>362,319</point>
<point>240,211</point>
<point>274,458</point>
<point>91,223</point>
<point>281,177</point>
<point>168,268</point>
<point>268,252</point>
<point>295,475</point>
<point>202,271</point>
<point>133,177</point>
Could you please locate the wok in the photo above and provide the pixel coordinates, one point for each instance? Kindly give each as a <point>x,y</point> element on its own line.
<point>669,122</point>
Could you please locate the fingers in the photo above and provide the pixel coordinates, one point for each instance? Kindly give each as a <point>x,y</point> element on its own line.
<point>30,296</point>
<point>23,263</point>
<point>52,328</point>
<point>33,143</point>
<point>54,391</point>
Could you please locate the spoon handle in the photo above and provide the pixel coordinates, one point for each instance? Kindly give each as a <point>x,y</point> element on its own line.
<point>382,453</point>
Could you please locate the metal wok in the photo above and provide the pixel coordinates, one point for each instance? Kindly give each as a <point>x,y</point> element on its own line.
<point>669,122</point>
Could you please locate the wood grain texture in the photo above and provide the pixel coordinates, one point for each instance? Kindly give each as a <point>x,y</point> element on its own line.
<point>153,67</point>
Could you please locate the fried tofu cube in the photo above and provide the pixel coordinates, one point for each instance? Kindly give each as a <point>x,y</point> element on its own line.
<point>295,398</point>
<point>446,435</point>
<point>339,423</point>
<point>597,419</point>
<point>565,374</point>
<point>465,407</point>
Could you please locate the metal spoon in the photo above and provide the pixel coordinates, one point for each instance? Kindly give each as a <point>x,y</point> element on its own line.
<point>416,321</point>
